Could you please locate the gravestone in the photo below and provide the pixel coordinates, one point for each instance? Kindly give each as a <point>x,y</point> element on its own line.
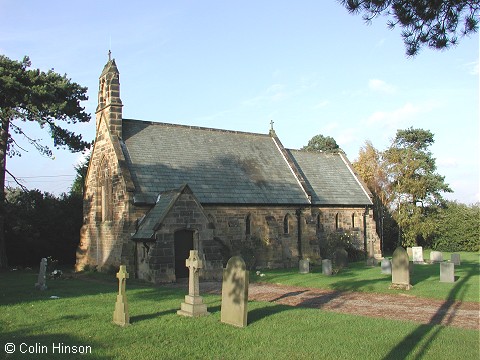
<point>455,258</point>
<point>120,315</point>
<point>386,266</point>
<point>41,281</point>
<point>304,266</point>
<point>327,267</point>
<point>340,258</point>
<point>400,270</point>
<point>417,254</point>
<point>193,305</point>
<point>447,272</point>
<point>235,293</point>
<point>436,256</point>
<point>371,261</point>
<point>410,252</point>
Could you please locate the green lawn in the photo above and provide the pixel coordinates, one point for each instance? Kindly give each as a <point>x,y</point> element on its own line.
<point>358,277</point>
<point>82,316</point>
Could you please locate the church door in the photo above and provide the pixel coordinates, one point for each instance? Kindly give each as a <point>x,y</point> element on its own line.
<point>183,240</point>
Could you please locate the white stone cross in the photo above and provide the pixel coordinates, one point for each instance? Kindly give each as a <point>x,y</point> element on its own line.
<point>194,263</point>
<point>122,276</point>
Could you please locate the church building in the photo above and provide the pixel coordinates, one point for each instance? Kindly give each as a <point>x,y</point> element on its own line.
<point>154,191</point>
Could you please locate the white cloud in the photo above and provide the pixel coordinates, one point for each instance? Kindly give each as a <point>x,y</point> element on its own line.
<point>448,161</point>
<point>394,118</point>
<point>273,93</point>
<point>381,86</point>
<point>472,67</point>
<point>321,104</point>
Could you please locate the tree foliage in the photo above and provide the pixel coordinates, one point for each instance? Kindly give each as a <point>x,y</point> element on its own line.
<point>458,228</point>
<point>320,143</point>
<point>47,98</point>
<point>41,225</point>
<point>434,23</point>
<point>414,188</point>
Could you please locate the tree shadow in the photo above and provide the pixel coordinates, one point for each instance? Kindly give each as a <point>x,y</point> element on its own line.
<point>138,318</point>
<point>266,311</point>
<point>422,337</point>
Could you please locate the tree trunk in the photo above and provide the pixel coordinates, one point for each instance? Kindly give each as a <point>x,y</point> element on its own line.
<point>3,158</point>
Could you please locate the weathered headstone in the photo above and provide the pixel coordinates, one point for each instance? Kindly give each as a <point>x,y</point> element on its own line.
<point>417,254</point>
<point>400,270</point>
<point>447,272</point>
<point>304,266</point>
<point>327,267</point>
<point>386,266</point>
<point>455,258</point>
<point>193,305</point>
<point>436,256</point>
<point>120,315</point>
<point>410,252</point>
<point>235,293</point>
<point>371,261</point>
<point>340,258</point>
<point>41,282</point>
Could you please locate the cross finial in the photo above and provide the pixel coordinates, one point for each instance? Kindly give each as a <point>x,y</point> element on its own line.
<point>109,55</point>
<point>271,124</point>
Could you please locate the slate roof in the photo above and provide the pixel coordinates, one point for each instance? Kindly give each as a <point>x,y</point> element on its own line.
<point>230,167</point>
<point>220,166</point>
<point>150,223</point>
<point>330,179</point>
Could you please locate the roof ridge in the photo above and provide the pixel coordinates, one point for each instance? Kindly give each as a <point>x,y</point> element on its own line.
<point>198,127</point>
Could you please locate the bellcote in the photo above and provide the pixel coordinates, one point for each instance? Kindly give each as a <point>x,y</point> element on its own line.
<point>109,103</point>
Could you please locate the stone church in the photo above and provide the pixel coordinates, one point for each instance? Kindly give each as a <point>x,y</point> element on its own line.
<point>154,191</point>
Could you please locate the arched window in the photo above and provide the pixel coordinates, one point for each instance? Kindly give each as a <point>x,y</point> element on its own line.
<point>248,224</point>
<point>286,224</point>
<point>105,192</point>
<point>336,221</point>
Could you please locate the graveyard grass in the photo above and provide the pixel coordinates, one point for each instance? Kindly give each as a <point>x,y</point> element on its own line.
<point>358,277</point>
<point>82,316</point>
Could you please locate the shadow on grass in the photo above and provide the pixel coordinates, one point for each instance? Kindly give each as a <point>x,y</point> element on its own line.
<point>266,311</point>
<point>137,318</point>
<point>422,337</point>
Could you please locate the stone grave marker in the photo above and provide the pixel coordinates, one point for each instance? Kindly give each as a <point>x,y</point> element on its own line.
<point>120,315</point>
<point>417,254</point>
<point>400,270</point>
<point>371,261</point>
<point>235,293</point>
<point>340,258</point>
<point>410,252</point>
<point>304,266</point>
<point>436,256</point>
<point>455,258</point>
<point>327,267</point>
<point>193,305</point>
<point>386,266</point>
<point>41,283</point>
<point>447,272</point>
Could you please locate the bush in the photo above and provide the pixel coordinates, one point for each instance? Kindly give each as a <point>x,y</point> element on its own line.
<point>346,240</point>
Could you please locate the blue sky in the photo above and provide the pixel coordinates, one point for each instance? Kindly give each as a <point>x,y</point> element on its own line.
<point>309,66</point>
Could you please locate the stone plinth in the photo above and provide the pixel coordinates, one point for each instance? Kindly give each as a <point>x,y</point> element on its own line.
<point>193,305</point>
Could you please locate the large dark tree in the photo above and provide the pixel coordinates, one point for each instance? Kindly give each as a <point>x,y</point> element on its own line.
<point>434,23</point>
<point>322,143</point>
<point>414,188</point>
<point>47,98</point>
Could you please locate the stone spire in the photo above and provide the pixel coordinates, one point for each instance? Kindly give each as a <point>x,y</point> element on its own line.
<point>109,103</point>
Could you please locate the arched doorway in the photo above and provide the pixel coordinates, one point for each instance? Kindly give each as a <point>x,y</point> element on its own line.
<point>183,242</point>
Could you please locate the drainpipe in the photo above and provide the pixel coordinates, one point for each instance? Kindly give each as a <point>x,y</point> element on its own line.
<point>365,230</point>
<point>299,233</point>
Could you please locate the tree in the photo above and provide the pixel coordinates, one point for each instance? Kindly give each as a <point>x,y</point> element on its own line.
<point>46,98</point>
<point>321,143</point>
<point>414,188</point>
<point>457,228</point>
<point>369,167</point>
<point>79,181</point>
<point>434,23</point>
